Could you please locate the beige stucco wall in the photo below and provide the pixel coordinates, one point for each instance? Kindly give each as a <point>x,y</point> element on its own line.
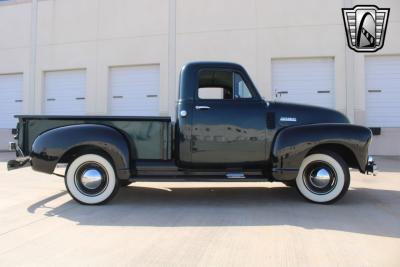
<point>97,34</point>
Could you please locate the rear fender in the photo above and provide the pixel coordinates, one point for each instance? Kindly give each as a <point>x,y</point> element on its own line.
<point>51,146</point>
<point>293,144</point>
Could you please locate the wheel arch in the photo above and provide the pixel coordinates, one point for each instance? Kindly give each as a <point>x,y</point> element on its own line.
<point>80,150</point>
<point>293,144</point>
<point>61,145</point>
<point>341,150</point>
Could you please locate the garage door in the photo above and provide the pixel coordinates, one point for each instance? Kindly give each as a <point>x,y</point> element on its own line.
<point>306,81</point>
<point>65,92</point>
<point>10,100</point>
<point>134,91</point>
<point>383,91</point>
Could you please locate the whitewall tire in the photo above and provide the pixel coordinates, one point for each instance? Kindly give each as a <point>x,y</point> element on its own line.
<point>90,179</point>
<point>323,178</point>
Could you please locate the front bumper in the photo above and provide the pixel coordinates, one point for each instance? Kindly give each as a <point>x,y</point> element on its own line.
<point>371,166</point>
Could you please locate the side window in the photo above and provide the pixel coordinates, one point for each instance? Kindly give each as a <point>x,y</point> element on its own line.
<point>215,84</point>
<point>241,89</point>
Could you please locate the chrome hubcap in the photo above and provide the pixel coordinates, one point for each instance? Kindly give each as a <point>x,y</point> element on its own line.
<point>320,178</point>
<point>91,178</point>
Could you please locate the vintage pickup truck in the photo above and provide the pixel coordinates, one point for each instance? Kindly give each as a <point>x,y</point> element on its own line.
<point>224,131</point>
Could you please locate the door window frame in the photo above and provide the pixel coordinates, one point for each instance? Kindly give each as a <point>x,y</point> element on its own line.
<point>253,91</point>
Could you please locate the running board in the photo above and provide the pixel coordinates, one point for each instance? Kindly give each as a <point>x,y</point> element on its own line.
<point>167,170</point>
<point>196,179</point>
<point>199,176</point>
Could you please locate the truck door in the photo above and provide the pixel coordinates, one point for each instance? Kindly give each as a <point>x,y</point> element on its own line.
<point>229,121</point>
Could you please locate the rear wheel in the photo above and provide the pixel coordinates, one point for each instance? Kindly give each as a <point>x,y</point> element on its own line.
<point>323,178</point>
<point>91,179</point>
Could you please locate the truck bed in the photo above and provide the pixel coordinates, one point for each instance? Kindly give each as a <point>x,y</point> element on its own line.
<point>152,136</point>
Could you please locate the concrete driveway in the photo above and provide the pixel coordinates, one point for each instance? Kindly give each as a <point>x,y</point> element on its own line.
<point>202,224</point>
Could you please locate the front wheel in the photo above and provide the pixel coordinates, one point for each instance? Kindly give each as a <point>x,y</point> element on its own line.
<point>91,179</point>
<point>323,178</point>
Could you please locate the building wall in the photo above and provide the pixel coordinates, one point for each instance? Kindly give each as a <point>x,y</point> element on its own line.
<point>386,143</point>
<point>98,34</point>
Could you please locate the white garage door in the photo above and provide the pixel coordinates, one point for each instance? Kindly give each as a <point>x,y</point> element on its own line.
<point>65,92</point>
<point>10,100</point>
<point>134,91</point>
<point>306,81</point>
<point>382,75</point>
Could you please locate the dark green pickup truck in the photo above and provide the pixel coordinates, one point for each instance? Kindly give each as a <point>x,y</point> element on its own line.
<point>224,131</point>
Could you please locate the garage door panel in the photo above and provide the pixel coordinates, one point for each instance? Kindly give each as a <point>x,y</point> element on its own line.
<point>382,75</point>
<point>383,81</point>
<point>134,90</point>
<point>65,92</point>
<point>297,72</point>
<point>10,100</point>
<point>308,81</point>
<point>303,86</point>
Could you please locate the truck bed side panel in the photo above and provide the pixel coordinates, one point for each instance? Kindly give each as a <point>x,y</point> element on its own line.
<point>152,136</point>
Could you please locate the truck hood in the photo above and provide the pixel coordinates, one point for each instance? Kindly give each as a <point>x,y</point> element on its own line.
<point>296,114</point>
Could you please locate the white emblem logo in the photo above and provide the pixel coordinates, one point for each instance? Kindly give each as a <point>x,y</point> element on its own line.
<point>288,119</point>
<point>365,27</point>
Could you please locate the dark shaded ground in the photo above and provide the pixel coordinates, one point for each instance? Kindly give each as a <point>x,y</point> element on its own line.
<point>363,210</point>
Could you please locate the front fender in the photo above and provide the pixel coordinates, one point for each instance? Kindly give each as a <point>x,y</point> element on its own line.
<point>49,147</point>
<point>292,144</point>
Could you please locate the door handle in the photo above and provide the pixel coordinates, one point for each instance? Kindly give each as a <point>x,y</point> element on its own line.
<point>280,93</point>
<point>202,107</point>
